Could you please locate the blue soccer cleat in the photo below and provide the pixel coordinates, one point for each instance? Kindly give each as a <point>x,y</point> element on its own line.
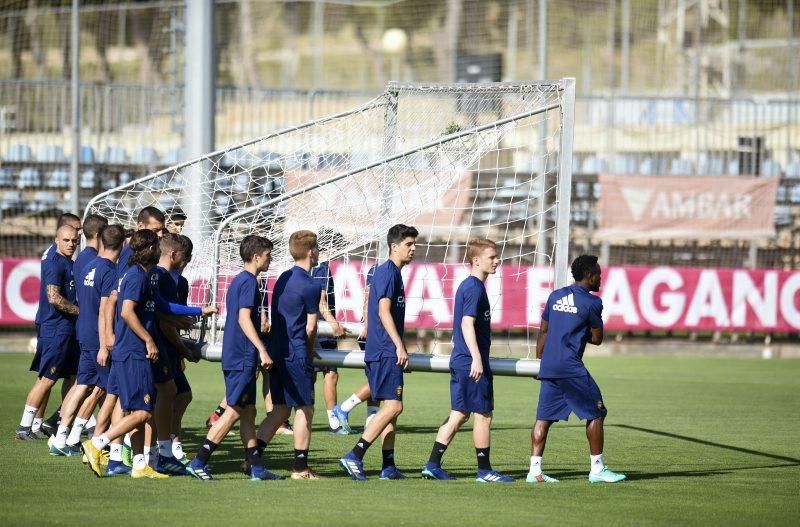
<point>540,478</point>
<point>66,451</point>
<point>259,473</point>
<point>342,416</point>
<point>606,476</point>
<point>492,476</point>
<point>117,468</point>
<point>391,472</point>
<point>353,466</point>
<point>198,470</point>
<point>170,465</point>
<point>431,471</point>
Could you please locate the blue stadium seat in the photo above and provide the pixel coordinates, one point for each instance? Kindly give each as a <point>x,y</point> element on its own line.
<point>19,153</point>
<point>6,178</point>
<point>652,166</point>
<point>794,194</point>
<point>221,204</point>
<point>682,167</point>
<point>241,183</point>
<point>42,200</point>
<point>712,165</point>
<point>359,159</point>
<point>115,155</point>
<point>793,170</point>
<point>29,178</point>
<point>594,165</point>
<point>87,155</point>
<point>11,202</point>
<point>58,179</point>
<point>172,157</point>
<point>733,167</point>
<point>51,154</point>
<point>770,168</point>
<point>124,177</point>
<point>87,179</point>
<point>145,156</point>
<point>623,164</point>
<point>166,202</point>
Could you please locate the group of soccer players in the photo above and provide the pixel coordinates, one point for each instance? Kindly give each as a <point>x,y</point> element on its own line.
<point>117,331</point>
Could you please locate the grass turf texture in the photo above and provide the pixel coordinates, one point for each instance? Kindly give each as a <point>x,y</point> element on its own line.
<point>703,441</point>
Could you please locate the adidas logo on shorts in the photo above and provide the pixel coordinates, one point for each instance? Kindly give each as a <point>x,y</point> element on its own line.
<point>566,304</point>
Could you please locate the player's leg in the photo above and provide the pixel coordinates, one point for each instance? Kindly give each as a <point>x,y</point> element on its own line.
<point>389,469</point>
<point>164,414</point>
<point>33,403</point>
<point>330,383</point>
<point>182,400</point>
<point>552,407</point>
<point>481,427</point>
<point>253,453</point>
<point>584,397</point>
<point>217,413</point>
<point>433,468</point>
<point>342,411</point>
<point>303,417</point>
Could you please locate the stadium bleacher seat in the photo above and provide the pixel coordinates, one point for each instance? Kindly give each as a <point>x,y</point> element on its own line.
<point>29,178</point>
<point>594,165</point>
<point>51,154</point>
<point>172,157</point>
<point>359,159</point>
<point>733,167</point>
<point>221,204</point>
<point>793,170</point>
<point>270,160</point>
<point>582,189</point>
<point>652,166</point>
<point>770,168</point>
<point>682,167</point>
<point>166,202</point>
<point>235,158</point>
<point>794,194</point>
<point>123,178</point>
<point>11,202</point>
<point>19,153</point>
<point>43,200</point>
<point>87,179</point>
<point>87,155</point>
<point>241,183</point>
<point>145,156</point>
<point>711,165</point>
<point>623,164</point>
<point>58,178</point>
<point>6,178</point>
<point>418,161</point>
<point>115,155</point>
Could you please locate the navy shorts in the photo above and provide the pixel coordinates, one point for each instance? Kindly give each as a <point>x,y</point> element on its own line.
<point>181,382</point>
<point>385,378</point>
<point>327,344</point>
<point>291,382</point>
<point>559,397</point>
<point>240,387</point>
<point>470,396</point>
<point>89,372</point>
<point>164,367</point>
<point>56,357</point>
<point>112,388</point>
<point>135,381</point>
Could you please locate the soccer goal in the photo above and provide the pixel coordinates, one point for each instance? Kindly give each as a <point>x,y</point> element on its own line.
<point>457,162</point>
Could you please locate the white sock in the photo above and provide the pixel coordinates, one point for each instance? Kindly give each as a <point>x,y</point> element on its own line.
<point>116,452</point>
<point>28,415</point>
<point>165,447</point>
<point>371,411</point>
<point>597,464</point>
<point>127,440</point>
<point>350,403</point>
<point>92,422</point>
<point>60,440</point>
<point>100,442</point>
<point>536,466</point>
<point>333,421</point>
<point>37,424</point>
<point>151,457</point>
<point>139,462</point>
<point>177,450</point>
<point>77,428</point>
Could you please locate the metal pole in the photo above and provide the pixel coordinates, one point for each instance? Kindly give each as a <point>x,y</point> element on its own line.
<point>199,110</point>
<point>542,249</point>
<point>76,110</point>
<point>511,40</point>
<point>626,46</point>
<point>316,47</point>
<point>564,186</point>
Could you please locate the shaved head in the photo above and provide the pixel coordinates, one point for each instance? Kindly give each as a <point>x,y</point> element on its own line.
<point>67,238</point>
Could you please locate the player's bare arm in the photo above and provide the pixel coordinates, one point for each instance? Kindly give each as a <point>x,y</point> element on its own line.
<point>471,340</point>
<point>250,332</point>
<point>324,309</point>
<point>57,300</point>
<point>129,317</point>
<point>311,335</point>
<point>596,336</point>
<point>364,309</point>
<point>541,338</point>
<point>385,314</point>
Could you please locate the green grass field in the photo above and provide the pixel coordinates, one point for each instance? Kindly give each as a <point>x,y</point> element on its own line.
<point>703,441</point>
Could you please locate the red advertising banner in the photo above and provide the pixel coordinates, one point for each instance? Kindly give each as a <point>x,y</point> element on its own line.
<point>686,207</point>
<point>634,298</point>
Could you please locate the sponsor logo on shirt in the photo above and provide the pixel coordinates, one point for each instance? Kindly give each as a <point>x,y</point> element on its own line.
<point>566,304</point>
<point>401,300</point>
<point>89,280</point>
<point>150,306</point>
<point>487,314</point>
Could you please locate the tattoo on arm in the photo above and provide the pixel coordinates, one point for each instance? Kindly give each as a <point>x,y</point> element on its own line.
<point>59,302</point>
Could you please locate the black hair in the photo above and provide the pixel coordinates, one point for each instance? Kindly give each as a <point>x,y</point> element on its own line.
<point>177,214</point>
<point>92,225</point>
<point>583,265</point>
<point>171,242</point>
<point>253,245</point>
<point>66,219</point>
<point>148,213</point>
<point>112,236</point>
<point>400,232</point>
<point>329,239</point>
<point>141,241</point>
<point>187,245</point>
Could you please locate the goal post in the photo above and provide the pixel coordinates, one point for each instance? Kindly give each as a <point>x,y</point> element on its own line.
<point>476,177</point>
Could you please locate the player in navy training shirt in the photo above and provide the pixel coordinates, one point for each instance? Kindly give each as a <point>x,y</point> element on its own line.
<point>91,230</point>
<point>295,310</point>
<point>134,350</point>
<point>42,428</point>
<point>57,328</point>
<point>571,318</point>
<point>386,356</point>
<point>471,386</point>
<point>94,287</point>
<point>243,354</point>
